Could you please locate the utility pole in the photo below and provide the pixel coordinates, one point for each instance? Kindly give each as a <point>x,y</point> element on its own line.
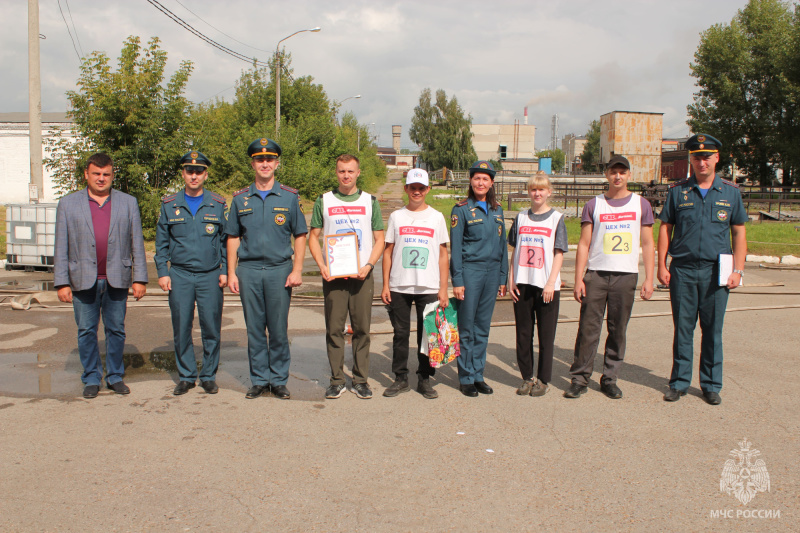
<point>34,103</point>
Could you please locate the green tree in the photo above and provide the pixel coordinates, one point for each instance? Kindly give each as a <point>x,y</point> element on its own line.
<point>556,155</point>
<point>130,114</point>
<point>442,131</point>
<point>590,157</point>
<point>748,87</point>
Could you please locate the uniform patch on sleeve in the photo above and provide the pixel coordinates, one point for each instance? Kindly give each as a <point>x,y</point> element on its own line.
<point>453,221</point>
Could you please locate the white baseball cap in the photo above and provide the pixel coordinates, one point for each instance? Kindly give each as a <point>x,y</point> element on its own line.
<point>417,175</point>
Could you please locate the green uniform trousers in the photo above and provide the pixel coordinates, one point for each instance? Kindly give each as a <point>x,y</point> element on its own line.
<point>694,292</point>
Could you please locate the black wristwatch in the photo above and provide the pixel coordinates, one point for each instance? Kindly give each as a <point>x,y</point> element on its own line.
<point>371,266</point>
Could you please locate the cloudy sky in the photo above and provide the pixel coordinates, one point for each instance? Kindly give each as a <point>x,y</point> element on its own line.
<point>578,58</point>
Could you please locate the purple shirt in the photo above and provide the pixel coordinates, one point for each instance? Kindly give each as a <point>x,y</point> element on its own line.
<point>101,220</point>
<point>647,209</point>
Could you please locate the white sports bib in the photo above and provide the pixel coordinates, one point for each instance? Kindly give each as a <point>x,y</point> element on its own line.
<point>616,236</point>
<point>417,237</point>
<point>533,255</point>
<point>349,217</point>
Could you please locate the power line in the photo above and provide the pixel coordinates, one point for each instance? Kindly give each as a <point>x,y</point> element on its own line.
<point>68,31</point>
<point>219,30</point>
<point>199,34</point>
<point>66,2</point>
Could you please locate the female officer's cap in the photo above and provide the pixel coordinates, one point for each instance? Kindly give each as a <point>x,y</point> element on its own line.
<point>482,166</point>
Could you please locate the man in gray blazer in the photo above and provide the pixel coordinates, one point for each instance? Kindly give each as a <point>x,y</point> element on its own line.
<point>99,254</point>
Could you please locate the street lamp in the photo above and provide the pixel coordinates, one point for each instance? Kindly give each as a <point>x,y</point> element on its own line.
<point>348,98</point>
<point>278,77</point>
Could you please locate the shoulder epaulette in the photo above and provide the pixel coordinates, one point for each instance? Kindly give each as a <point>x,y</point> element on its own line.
<point>287,188</point>
<point>732,184</point>
<point>168,198</point>
<point>681,182</point>
<point>218,197</point>
<point>240,191</point>
<point>461,203</point>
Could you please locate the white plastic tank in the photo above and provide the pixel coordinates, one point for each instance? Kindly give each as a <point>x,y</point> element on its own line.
<point>30,235</point>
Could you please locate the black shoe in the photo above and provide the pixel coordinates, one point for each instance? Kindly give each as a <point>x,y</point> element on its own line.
<point>334,391</point>
<point>712,397</point>
<point>612,391</point>
<point>119,387</point>
<point>469,390</point>
<point>425,388</point>
<point>673,395</point>
<point>362,390</point>
<point>575,390</point>
<point>399,385</point>
<point>255,391</point>
<point>483,387</point>
<point>91,391</point>
<point>183,387</point>
<point>280,391</point>
<point>210,386</point>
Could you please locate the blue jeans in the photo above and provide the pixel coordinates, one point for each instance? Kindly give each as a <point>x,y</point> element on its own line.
<point>88,305</point>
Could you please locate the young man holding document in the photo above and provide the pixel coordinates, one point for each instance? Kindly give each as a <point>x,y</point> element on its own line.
<point>700,216</point>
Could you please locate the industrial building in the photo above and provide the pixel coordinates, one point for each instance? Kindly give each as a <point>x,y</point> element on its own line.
<point>15,159</point>
<point>637,136</point>
<point>572,146</point>
<point>511,144</point>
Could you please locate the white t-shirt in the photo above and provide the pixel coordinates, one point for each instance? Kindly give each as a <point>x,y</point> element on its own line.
<point>349,217</point>
<point>417,237</point>
<point>616,236</point>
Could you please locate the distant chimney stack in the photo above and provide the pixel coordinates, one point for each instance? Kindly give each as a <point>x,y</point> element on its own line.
<point>526,116</point>
<point>396,131</point>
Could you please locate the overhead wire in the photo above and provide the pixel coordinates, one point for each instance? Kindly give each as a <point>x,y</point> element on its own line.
<point>68,30</point>
<point>205,38</point>
<point>74,29</point>
<point>219,30</point>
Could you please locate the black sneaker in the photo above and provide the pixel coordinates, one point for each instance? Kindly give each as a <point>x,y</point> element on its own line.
<point>334,391</point>
<point>575,390</point>
<point>611,390</point>
<point>425,388</point>
<point>362,390</point>
<point>400,385</point>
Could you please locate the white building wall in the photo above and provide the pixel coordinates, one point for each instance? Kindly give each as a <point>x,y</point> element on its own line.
<point>15,166</point>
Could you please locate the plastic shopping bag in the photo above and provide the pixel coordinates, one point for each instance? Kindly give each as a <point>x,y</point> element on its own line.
<point>440,340</point>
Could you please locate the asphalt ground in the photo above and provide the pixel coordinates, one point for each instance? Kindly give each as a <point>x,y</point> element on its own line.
<point>151,461</point>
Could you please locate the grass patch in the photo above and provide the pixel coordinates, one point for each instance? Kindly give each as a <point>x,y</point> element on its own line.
<point>773,238</point>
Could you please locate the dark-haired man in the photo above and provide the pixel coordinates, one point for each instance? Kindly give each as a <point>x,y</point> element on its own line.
<point>700,216</point>
<point>99,255</point>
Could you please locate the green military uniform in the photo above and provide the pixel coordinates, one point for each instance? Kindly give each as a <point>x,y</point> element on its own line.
<point>701,232</point>
<point>266,227</point>
<point>194,247</point>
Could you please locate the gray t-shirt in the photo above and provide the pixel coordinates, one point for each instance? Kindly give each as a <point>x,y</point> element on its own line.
<point>561,242</point>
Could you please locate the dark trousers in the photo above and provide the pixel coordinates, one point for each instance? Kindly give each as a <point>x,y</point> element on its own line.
<point>530,310</point>
<point>694,292</point>
<point>400,314</point>
<point>354,297</point>
<point>475,318</point>
<point>615,290</point>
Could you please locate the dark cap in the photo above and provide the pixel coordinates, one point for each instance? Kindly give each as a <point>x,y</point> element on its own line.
<point>195,158</point>
<point>482,166</point>
<point>264,146</point>
<point>703,144</point>
<point>619,160</point>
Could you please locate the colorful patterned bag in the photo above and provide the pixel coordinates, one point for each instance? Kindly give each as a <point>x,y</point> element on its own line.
<point>441,341</point>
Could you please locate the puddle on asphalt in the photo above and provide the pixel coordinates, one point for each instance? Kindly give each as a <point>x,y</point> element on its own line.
<point>57,375</point>
<point>28,285</point>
